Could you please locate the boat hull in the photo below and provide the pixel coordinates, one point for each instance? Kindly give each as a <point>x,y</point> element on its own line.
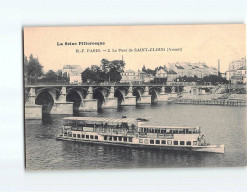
<point>208,148</point>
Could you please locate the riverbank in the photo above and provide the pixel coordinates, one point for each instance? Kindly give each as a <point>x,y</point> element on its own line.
<point>213,99</point>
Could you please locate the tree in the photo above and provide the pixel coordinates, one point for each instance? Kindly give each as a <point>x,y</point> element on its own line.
<point>32,69</point>
<point>51,77</point>
<point>144,68</point>
<point>112,69</point>
<point>62,77</point>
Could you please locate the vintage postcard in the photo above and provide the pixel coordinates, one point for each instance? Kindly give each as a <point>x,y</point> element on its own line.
<point>155,96</point>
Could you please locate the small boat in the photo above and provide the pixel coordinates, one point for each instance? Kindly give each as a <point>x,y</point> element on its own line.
<point>135,132</point>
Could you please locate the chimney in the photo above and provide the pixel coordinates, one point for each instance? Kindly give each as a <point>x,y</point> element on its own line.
<point>218,67</point>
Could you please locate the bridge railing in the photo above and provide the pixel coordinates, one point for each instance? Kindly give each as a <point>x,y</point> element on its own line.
<point>113,84</point>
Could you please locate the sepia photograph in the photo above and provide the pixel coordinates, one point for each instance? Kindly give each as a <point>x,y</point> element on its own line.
<point>124,97</point>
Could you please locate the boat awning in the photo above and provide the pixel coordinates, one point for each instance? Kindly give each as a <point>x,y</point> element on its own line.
<point>167,127</point>
<point>103,120</point>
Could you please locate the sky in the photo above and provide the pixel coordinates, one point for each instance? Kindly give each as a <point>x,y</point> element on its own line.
<point>163,44</point>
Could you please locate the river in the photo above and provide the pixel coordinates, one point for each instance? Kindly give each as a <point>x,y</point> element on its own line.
<point>220,124</point>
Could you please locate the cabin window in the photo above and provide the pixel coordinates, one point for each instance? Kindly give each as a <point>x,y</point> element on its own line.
<point>120,139</point>
<point>110,138</point>
<point>105,137</point>
<point>74,135</point>
<point>151,141</point>
<point>182,131</point>
<point>70,134</point>
<point>175,143</point>
<point>91,136</point>
<point>157,141</point>
<point>125,139</point>
<point>169,142</point>
<point>78,136</point>
<point>187,131</point>
<point>162,131</point>
<point>163,141</point>
<point>130,139</point>
<point>194,143</point>
<point>65,134</point>
<point>115,138</point>
<point>175,131</point>
<point>140,141</point>
<point>145,130</point>
<point>82,136</point>
<point>182,143</point>
<point>87,136</point>
<point>146,141</point>
<point>96,137</point>
<point>188,143</point>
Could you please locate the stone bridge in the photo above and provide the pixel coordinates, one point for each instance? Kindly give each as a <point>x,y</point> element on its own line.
<point>64,99</point>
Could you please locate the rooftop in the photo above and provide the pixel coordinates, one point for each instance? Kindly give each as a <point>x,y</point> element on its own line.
<point>242,68</point>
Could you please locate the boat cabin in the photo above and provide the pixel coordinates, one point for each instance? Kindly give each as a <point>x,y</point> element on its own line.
<point>102,125</point>
<point>169,130</point>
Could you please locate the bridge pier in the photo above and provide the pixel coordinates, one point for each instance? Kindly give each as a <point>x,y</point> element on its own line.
<point>89,104</point>
<point>145,97</point>
<point>110,101</point>
<point>129,99</point>
<point>173,93</point>
<point>61,106</point>
<point>162,96</point>
<point>32,111</point>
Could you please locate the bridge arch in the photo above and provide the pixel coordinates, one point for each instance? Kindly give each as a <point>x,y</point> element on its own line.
<point>138,93</point>
<point>99,94</point>
<point>154,94</point>
<point>46,99</point>
<point>119,94</point>
<point>76,97</point>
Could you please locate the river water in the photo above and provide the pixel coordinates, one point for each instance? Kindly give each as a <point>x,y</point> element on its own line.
<point>220,124</point>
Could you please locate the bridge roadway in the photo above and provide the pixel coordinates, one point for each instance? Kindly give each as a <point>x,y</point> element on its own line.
<point>107,84</point>
<point>65,98</point>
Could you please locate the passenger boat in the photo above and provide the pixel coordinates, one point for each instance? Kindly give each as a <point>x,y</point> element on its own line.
<point>135,132</point>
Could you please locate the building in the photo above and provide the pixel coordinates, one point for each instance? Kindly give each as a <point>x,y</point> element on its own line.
<point>161,73</point>
<point>239,75</point>
<point>234,65</point>
<point>192,69</point>
<point>73,72</point>
<point>171,75</point>
<point>131,76</point>
<point>75,78</point>
<point>148,78</point>
<point>237,71</point>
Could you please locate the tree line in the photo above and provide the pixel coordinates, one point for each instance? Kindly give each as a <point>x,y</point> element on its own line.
<point>33,73</point>
<point>107,71</point>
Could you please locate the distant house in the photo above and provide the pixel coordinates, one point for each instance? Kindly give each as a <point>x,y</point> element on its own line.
<point>161,73</point>
<point>238,76</point>
<point>131,76</point>
<point>73,72</point>
<point>171,75</point>
<point>237,64</point>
